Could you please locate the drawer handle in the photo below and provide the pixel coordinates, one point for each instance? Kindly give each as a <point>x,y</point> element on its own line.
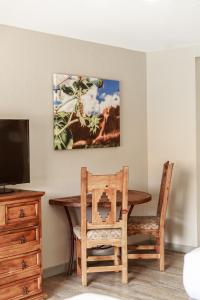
<point>23,240</point>
<point>24,265</point>
<point>25,290</point>
<point>22,213</point>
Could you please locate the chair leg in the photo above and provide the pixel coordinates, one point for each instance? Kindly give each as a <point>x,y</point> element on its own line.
<point>83,263</point>
<point>78,256</point>
<point>124,258</point>
<point>157,245</point>
<point>162,254</point>
<point>116,255</point>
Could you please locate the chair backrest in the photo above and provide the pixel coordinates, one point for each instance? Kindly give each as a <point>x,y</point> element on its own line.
<point>164,191</point>
<point>103,188</point>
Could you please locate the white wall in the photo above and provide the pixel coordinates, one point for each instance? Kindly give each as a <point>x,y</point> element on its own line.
<point>171,123</point>
<point>27,62</point>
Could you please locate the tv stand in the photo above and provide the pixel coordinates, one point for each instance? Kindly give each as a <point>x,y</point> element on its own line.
<point>4,190</point>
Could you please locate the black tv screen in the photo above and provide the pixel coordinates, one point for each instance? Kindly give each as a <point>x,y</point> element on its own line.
<point>14,152</point>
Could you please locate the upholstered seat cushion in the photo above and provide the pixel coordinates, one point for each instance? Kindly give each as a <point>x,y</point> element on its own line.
<point>143,223</point>
<point>99,234</point>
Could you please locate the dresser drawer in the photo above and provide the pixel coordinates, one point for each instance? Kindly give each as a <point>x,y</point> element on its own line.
<point>20,266</point>
<point>19,241</point>
<point>21,289</point>
<point>21,212</point>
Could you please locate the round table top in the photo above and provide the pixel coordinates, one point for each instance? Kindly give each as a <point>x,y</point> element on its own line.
<point>134,198</point>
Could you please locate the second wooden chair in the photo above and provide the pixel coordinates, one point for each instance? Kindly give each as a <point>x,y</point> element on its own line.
<point>153,225</point>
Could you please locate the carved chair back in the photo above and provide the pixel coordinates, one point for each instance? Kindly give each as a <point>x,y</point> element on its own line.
<point>164,192</point>
<point>104,190</point>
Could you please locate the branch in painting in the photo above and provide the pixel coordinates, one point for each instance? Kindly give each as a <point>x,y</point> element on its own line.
<point>75,127</point>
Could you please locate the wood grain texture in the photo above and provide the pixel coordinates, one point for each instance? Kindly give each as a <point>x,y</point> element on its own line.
<point>10,266</point>
<point>20,246</point>
<point>104,269</point>
<point>159,221</point>
<point>124,216</point>
<point>145,282</point>
<point>101,257</point>
<point>2,215</point>
<point>22,211</point>
<point>141,247</point>
<point>96,243</point>
<point>103,186</point>
<point>116,225</point>
<point>134,198</point>
<point>18,237</point>
<point>20,194</point>
<point>21,290</point>
<point>19,212</point>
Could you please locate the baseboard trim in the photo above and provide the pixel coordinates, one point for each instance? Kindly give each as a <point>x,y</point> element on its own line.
<point>178,248</point>
<point>55,270</point>
<point>62,268</point>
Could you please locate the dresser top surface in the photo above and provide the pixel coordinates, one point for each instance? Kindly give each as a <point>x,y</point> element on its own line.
<point>19,194</point>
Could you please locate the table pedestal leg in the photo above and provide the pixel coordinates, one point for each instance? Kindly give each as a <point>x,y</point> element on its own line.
<point>130,211</point>
<point>72,241</point>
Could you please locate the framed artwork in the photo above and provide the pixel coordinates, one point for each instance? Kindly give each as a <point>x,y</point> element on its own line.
<point>86,112</point>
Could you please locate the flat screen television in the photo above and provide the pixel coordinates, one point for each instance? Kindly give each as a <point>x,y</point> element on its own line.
<point>14,153</point>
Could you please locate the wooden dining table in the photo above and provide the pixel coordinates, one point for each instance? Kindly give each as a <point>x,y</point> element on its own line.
<point>134,198</point>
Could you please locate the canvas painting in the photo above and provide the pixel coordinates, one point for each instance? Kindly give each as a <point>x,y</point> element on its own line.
<point>86,112</point>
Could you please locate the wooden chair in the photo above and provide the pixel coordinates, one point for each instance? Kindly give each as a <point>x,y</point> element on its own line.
<point>153,225</point>
<point>102,230</point>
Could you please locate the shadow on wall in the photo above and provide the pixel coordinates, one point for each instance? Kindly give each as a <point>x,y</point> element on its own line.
<point>149,208</point>
<point>178,204</point>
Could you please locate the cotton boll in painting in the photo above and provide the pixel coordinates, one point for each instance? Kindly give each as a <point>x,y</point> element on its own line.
<point>86,112</point>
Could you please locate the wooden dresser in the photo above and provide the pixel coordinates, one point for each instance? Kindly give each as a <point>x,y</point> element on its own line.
<point>20,246</point>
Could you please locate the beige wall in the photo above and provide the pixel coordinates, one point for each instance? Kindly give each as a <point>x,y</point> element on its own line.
<point>27,62</point>
<point>171,123</point>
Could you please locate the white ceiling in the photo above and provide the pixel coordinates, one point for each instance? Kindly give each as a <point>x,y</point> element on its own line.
<point>145,25</point>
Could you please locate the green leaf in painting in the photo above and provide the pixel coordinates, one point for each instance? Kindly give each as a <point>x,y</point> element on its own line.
<point>67,90</point>
<point>93,123</point>
<point>63,140</point>
<point>99,83</point>
<point>83,86</point>
<point>89,84</point>
<point>63,114</point>
<point>56,130</point>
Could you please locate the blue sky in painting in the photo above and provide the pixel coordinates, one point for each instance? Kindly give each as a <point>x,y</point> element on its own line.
<point>109,87</point>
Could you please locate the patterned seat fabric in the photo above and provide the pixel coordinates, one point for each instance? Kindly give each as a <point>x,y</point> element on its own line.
<point>143,223</point>
<point>99,234</point>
